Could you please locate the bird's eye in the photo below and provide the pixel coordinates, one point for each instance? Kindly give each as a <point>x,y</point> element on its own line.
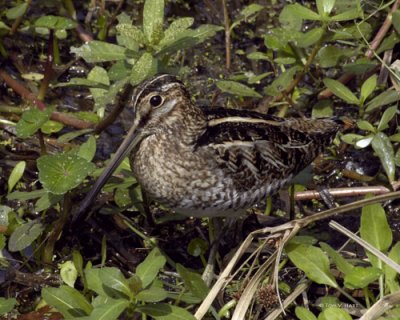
<point>155,101</point>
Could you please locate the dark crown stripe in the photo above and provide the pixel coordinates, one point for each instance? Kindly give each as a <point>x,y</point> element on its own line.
<point>153,84</point>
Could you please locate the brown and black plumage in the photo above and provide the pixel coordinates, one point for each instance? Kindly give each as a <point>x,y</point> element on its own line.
<point>211,161</point>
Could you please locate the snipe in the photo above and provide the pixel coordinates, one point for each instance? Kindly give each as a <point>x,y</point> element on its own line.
<point>211,162</point>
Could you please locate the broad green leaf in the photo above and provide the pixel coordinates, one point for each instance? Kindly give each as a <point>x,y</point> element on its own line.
<point>164,311</point>
<point>313,262</point>
<point>246,13</point>
<point>114,284</point>
<point>311,37</point>
<point>190,38</point>
<point>391,276</point>
<point>62,172</point>
<point>340,262</point>
<point>56,23</point>
<point>368,87</point>
<point>109,310</point>
<point>149,268</point>
<point>306,13</point>
<point>365,125</point>
<point>99,51</point>
<point>304,314</point>
<point>68,273</point>
<point>24,235</point>
<point>6,305</point>
<point>322,109</point>
<point>81,82</point>
<point>72,135</point>
<point>348,15</point>
<point>375,229</point>
<point>334,313</point>
<point>387,117</point>
<point>16,175</point>
<point>69,301</point>
<point>99,75</point>
<point>51,126</point>
<point>237,88</point>
<point>384,149</point>
<point>31,121</point>
<point>193,281</point>
<point>325,7</point>
<point>93,280</point>
<point>385,98</point>
<point>47,200</point>
<point>153,294</point>
<point>280,83</point>
<point>153,19</point>
<point>145,67</point>
<point>330,56</point>
<point>3,26</point>
<point>396,21</point>
<point>132,34</point>
<point>388,43</point>
<point>174,31</point>
<point>16,11</point>
<point>288,18</point>
<point>87,150</point>
<point>360,277</point>
<point>363,29</point>
<point>258,56</point>
<point>341,91</point>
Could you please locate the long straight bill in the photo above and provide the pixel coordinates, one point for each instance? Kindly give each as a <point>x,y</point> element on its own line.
<point>131,140</point>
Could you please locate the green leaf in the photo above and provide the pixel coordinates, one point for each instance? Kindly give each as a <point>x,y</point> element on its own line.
<point>197,247</point>
<point>6,305</point>
<point>384,149</point>
<point>360,277</point>
<point>62,172</point>
<point>190,38</point>
<point>87,150</point>
<point>153,294</point>
<point>280,83</point>
<point>153,19</point>
<point>306,13</point>
<point>368,87</point>
<point>341,91</point>
<point>46,201</point>
<point>365,125</point>
<point>69,301</point>
<point>396,20</point>
<point>313,262</point>
<point>288,18</point>
<point>114,284</point>
<point>31,121</point>
<point>23,196</point>
<point>51,126</point>
<point>109,310</point>
<point>391,275</point>
<point>340,262</point>
<point>347,15</point>
<point>329,56</point>
<point>17,11</point>
<point>375,229</point>
<point>55,22</point>
<point>311,37</point>
<point>145,67</point>
<point>16,175</point>
<point>68,273</point>
<point>325,7</point>
<point>24,235</point>
<point>246,13</point>
<point>385,98</point>
<point>99,51</point>
<point>387,117</point>
<point>93,280</point>
<point>149,268</point>
<point>237,88</point>
<point>193,282</point>
<point>334,313</point>
<point>304,314</point>
<point>132,34</point>
<point>174,31</point>
<point>4,211</point>
<point>163,311</point>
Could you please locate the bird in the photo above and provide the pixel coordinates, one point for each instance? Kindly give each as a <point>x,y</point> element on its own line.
<point>210,162</point>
